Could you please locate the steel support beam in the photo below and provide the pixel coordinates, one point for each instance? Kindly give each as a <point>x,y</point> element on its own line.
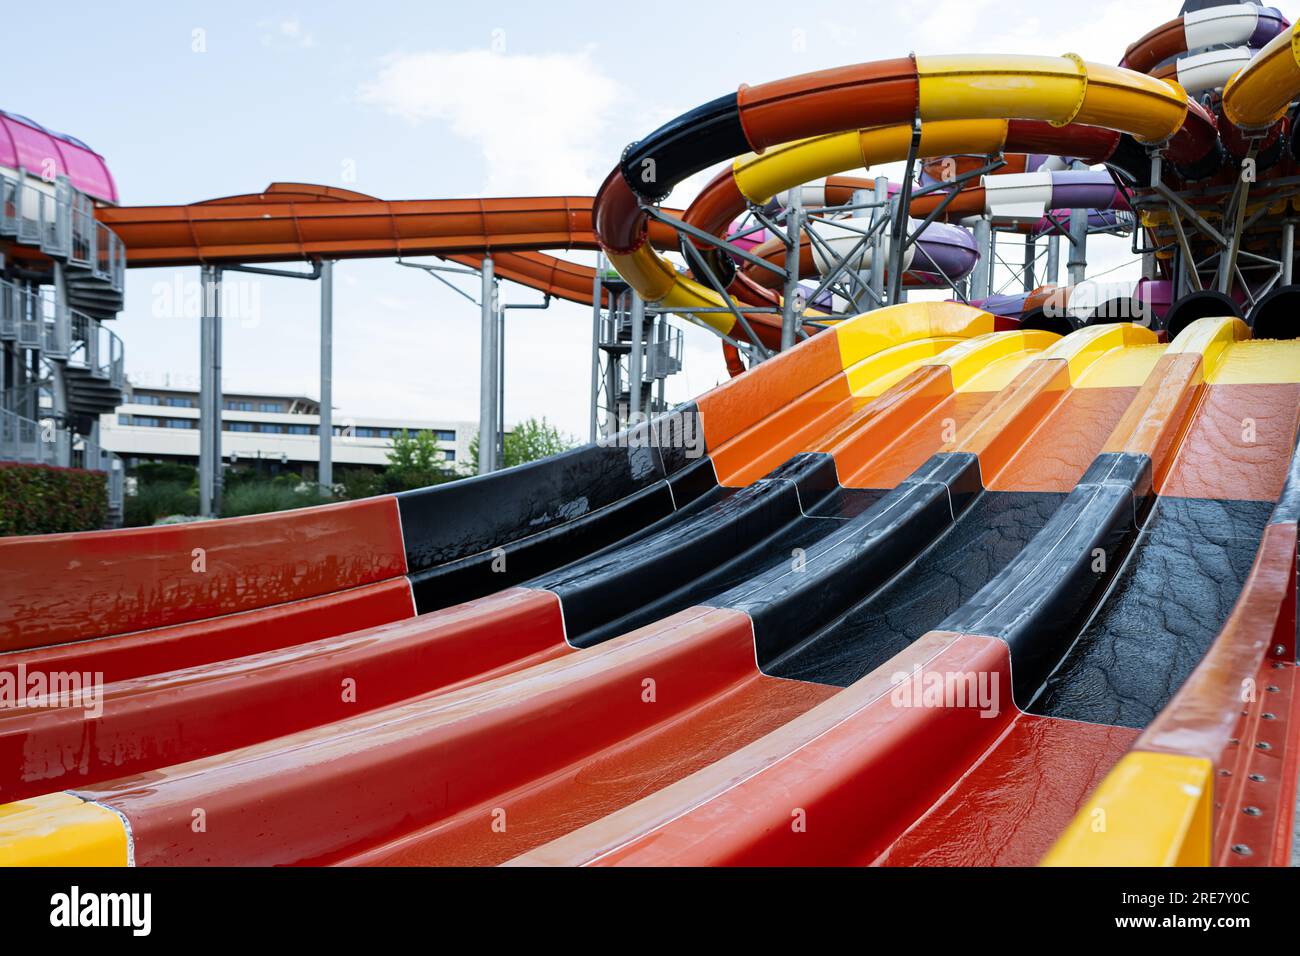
<point>597,293</point>
<point>487,389</point>
<point>881,198</point>
<point>898,240</point>
<point>981,274</point>
<point>1077,267</point>
<point>210,404</point>
<point>1288,250</point>
<point>325,469</point>
<point>790,309</point>
<point>635,361</point>
<point>1053,275</point>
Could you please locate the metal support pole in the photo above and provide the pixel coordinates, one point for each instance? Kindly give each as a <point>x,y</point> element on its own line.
<point>979,277</point>
<point>501,387</point>
<point>635,360</point>
<point>325,470</point>
<point>1031,252</point>
<point>210,394</point>
<point>1053,275</point>
<point>661,356</point>
<point>596,294</point>
<point>1288,250</point>
<point>1228,259</point>
<point>487,371</point>
<point>881,197</point>
<point>790,300</point>
<point>901,210</point>
<point>63,322</point>
<point>1077,266</point>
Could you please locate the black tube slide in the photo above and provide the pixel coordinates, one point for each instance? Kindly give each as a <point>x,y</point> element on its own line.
<point>1198,305</point>
<point>1277,315</point>
<point>1041,600</point>
<point>802,592</point>
<point>472,537</point>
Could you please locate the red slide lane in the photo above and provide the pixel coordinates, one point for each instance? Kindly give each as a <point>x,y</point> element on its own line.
<point>169,718</point>
<point>317,796</point>
<point>68,587</point>
<point>848,782</point>
<point>171,648</point>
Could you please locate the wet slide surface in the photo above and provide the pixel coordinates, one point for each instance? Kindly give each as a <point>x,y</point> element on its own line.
<point>667,669</point>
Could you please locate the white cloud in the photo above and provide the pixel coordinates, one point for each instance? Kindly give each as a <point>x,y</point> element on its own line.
<point>1099,34</point>
<point>539,120</point>
<point>288,30</point>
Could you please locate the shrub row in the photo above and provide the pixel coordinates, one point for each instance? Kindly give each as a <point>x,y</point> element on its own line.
<point>40,499</point>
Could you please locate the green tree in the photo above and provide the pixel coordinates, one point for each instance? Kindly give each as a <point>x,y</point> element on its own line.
<point>415,461</point>
<point>527,441</point>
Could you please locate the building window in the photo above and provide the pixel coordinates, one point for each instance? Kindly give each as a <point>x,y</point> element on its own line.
<point>449,454</point>
<point>181,402</point>
<point>300,429</point>
<point>238,405</point>
<point>177,423</point>
<point>271,429</point>
<point>443,434</point>
<point>147,421</point>
<point>239,426</point>
<point>124,419</point>
<point>146,400</point>
<point>270,407</point>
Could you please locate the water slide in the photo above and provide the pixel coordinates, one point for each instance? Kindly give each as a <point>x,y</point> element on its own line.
<point>928,588</point>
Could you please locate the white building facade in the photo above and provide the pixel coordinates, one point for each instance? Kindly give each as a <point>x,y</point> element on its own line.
<point>162,424</point>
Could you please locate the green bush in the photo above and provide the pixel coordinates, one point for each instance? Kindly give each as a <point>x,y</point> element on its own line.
<point>39,499</point>
<point>527,441</point>
<point>170,472</point>
<point>415,461</point>
<point>159,500</point>
<point>256,498</point>
<point>361,483</point>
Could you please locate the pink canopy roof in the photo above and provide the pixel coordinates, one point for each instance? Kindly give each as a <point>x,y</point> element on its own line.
<point>28,145</point>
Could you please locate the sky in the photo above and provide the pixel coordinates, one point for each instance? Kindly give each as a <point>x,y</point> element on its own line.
<point>423,100</point>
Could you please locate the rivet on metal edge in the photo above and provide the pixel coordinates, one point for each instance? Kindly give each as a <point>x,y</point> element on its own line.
<point>1257,777</point>
<point>1263,745</point>
<point>1252,811</point>
<point>1241,849</point>
<point>1267,716</point>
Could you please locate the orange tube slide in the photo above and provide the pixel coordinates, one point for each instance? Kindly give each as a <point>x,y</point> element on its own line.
<point>292,221</point>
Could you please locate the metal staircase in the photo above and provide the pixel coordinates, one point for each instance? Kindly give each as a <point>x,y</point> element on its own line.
<point>69,365</point>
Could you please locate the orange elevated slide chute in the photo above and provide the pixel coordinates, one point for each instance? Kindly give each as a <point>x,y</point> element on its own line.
<point>303,221</point>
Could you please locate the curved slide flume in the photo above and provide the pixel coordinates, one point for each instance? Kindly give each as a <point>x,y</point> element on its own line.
<point>1062,90</point>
